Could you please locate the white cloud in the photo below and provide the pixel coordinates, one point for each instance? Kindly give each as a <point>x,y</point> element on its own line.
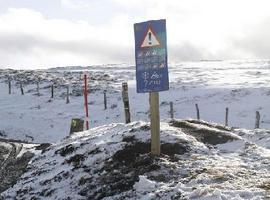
<point>38,41</point>
<point>209,29</point>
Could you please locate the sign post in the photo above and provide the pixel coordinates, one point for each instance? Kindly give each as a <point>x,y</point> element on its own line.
<point>152,69</point>
<point>155,122</point>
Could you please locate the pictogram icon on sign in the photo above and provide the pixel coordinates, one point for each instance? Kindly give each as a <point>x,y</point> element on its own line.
<point>145,75</point>
<point>150,39</point>
<point>155,75</point>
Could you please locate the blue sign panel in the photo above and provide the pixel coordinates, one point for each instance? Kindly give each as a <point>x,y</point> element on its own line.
<point>151,56</point>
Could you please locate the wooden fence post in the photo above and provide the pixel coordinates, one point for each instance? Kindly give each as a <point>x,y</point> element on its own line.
<point>85,92</point>
<point>21,86</point>
<point>171,110</point>
<point>52,91</point>
<point>198,111</point>
<point>126,101</point>
<point>38,88</point>
<point>105,100</point>
<point>257,123</point>
<point>67,100</point>
<point>9,87</point>
<point>226,116</point>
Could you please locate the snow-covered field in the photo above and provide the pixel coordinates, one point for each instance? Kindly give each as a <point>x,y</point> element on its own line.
<point>199,160</point>
<point>242,86</point>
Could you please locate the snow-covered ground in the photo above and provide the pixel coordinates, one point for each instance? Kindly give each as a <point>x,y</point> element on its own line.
<point>113,162</point>
<point>199,160</point>
<point>242,86</point>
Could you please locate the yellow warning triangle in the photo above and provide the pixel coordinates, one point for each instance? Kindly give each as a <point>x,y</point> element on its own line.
<point>150,39</point>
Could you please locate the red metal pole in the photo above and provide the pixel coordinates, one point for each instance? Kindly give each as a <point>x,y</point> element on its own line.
<point>86,101</point>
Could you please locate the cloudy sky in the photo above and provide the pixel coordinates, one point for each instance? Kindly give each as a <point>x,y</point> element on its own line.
<point>50,33</point>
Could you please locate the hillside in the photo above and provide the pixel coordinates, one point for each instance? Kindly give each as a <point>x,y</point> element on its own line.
<point>199,161</point>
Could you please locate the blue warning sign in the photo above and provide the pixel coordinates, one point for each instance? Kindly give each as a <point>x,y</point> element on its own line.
<point>151,56</point>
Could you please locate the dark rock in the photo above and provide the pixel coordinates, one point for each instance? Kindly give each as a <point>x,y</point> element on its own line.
<point>13,167</point>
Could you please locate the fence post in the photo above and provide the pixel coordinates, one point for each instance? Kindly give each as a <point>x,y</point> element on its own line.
<point>86,101</point>
<point>52,91</point>
<point>171,110</point>
<point>38,88</point>
<point>257,123</point>
<point>105,99</point>
<point>9,87</point>
<point>226,116</point>
<point>126,101</point>
<point>67,101</point>
<point>198,111</point>
<point>21,86</point>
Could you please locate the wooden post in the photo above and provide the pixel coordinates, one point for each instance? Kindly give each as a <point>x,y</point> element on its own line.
<point>257,123</point>
<point>171,110</point>
<point>9,87</point>
<point>155,123</point>
<point>126,101</point>
<point>198,111</point>
<point>21,86</point>
<point>105,100</point>
<point>226,116</point>
<point>38,88</point>
<point>86,101</point>
<point>52,91</point>
<point>67,100</point>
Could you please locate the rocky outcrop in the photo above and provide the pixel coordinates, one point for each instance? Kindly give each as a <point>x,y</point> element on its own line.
<point>14,159</point>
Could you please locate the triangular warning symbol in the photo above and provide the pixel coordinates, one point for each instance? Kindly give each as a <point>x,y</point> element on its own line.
<point>150,39</point>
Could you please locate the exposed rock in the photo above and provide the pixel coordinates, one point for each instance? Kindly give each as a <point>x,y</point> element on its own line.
<point>13,165</point>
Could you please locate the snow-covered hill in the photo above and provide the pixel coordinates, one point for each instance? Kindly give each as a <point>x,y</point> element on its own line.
<point>198,161</point>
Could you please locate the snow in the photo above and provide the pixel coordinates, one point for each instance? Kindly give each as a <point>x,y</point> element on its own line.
<point>81,164</point>
<point>232,146</point>
<point>27,148</point>
<point>144,185</point>
<point>233,170</point>
<point>212,85</point>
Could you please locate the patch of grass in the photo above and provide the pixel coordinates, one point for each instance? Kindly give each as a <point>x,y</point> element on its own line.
<point>220,127</point>
<point>205,133</point>
<point>265,186</point>
<point>47,192</point>
<point>44,147</point>
<point>66,150</point>
<point>3,133</point>
<point>141,128</point>
<point>76,160</point>
<point>84,180</point>
<point>129,138</point>
<point>94,151</point>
